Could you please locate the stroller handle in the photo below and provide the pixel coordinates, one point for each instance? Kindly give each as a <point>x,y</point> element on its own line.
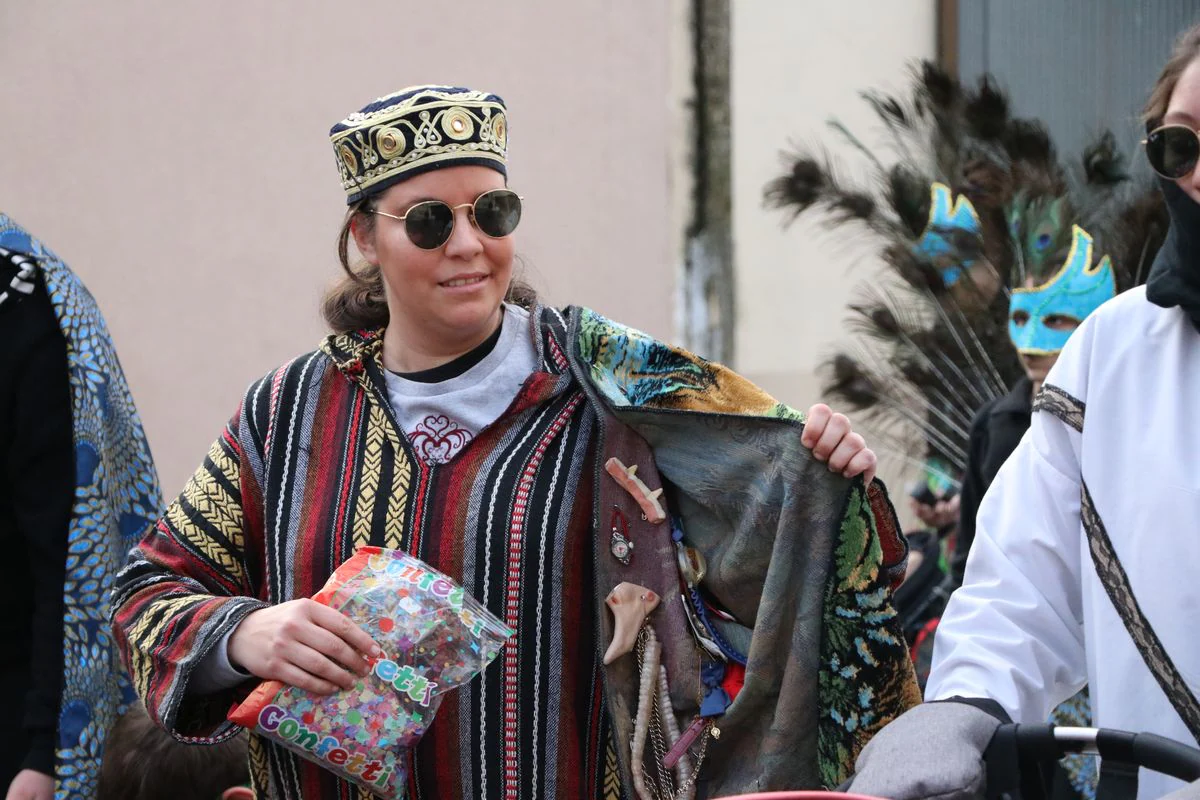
<point>1043,744</point>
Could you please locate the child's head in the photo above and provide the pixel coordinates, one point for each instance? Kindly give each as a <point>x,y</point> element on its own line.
<point>143,761</point>
<point>1037,363</point>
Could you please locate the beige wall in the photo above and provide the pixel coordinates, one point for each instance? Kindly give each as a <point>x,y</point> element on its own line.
<point>175,155</point>
<point>795,65</point>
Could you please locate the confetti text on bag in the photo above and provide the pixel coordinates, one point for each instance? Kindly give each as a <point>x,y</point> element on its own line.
<point>276,720</point>
<point>405,679</point>
<point>430,582</point>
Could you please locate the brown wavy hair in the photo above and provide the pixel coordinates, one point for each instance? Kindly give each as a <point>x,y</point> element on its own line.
<point>358,300</point>
<point>1186,50</point>
<point>144,761</point>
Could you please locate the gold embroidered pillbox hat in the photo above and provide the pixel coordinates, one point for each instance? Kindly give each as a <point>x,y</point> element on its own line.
<point>415,130</point>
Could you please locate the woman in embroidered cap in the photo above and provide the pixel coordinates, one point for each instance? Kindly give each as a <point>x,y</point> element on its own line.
<point>451,416</point>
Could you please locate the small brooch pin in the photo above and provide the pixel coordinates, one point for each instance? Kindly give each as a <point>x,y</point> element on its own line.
<point>626,478</point>
<point>620,544</point>
<point>622,548</point>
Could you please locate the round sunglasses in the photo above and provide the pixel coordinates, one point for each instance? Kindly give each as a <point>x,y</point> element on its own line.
<point>430,223</point>
<point>1173,150</point>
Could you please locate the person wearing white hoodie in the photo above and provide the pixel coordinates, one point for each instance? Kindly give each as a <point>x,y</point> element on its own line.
<point>1084,566</point>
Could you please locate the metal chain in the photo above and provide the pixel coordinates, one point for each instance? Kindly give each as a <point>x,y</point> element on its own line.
<point>662,782</point>
<point>691,781</point>
<point>655,727</point>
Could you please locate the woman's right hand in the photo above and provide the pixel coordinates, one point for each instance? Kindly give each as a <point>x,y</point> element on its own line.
<point>303,644</point>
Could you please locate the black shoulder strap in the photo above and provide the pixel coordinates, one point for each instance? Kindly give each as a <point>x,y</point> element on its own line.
<point>1112,574</point>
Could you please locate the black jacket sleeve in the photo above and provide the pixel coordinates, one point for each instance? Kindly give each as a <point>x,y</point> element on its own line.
<point>973,488</point>
<point>39,473</point>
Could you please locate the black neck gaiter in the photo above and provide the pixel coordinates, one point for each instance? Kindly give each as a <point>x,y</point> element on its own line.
<point>1175,277</point>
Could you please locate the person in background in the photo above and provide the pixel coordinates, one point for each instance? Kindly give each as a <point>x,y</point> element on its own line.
<point>143,761</point>
<point>1054,289</point>
<point>1061,275</point>
<point>1083,566</point>
<point>77,486</point>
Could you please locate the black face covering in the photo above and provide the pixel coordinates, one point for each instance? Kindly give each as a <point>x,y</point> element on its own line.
<point>1175,277</point>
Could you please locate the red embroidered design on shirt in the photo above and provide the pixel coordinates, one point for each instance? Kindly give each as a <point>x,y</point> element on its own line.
<point>438,439</point>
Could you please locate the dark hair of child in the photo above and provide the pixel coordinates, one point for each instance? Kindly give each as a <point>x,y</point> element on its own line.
<point>144,762</point>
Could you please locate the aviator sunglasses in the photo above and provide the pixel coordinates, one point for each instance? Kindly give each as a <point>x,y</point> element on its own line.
<point>430,223</point>
<point>1172,150</point>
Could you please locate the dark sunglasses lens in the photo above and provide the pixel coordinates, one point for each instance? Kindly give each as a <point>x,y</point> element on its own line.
<point>1173,151</point>
<point>497,213</point>
<point>429,224</point>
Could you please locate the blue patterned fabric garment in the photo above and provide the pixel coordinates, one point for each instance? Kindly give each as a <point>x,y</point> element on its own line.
<point>116,499</point>
<point>1083,771</point>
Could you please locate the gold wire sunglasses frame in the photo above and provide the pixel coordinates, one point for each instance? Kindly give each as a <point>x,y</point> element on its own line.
<point>420,242</point>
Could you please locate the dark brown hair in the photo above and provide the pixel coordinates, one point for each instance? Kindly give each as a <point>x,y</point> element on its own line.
<point>358,300</point>
<point>1186,50</point>
<point>142,760</point>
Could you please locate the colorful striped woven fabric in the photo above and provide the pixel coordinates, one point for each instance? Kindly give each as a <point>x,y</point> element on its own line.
<point>312,466</point>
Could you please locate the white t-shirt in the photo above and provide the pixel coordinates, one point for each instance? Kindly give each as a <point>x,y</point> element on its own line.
<point>441,418</point>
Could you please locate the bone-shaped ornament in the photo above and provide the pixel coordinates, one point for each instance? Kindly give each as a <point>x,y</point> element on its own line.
<point>630,605</point>
<point>630,482</point>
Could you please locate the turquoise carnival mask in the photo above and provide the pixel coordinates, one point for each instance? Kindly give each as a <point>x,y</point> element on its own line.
<point>1075,291</point>
<point>946,215</point>
<point>938,476</point>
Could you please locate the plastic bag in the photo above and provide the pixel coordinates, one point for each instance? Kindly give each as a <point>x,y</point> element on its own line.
<point>435,637</point>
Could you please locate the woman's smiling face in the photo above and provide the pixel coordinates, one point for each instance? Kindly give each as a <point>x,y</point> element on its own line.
<point>451,294</point>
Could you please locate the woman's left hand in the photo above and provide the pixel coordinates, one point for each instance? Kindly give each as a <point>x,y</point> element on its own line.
<point>832,441</point>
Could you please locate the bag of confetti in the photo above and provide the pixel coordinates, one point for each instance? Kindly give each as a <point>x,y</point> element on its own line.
<point>435,637</point>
